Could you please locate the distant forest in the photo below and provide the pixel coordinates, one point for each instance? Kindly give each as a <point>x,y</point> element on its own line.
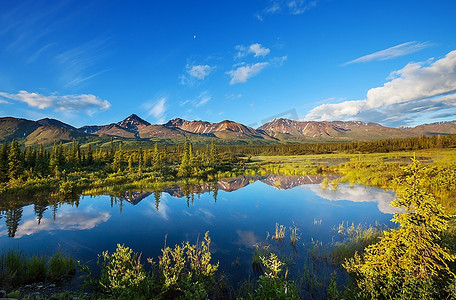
<point>182,161</point>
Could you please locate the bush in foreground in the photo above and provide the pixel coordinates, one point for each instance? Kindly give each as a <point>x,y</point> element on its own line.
<point>408,262</point>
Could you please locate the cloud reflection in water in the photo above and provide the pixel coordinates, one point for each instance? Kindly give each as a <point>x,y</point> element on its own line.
<point>358,194</point>
<point>76,220</point>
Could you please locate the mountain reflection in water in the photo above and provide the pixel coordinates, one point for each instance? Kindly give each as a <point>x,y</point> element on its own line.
<point>19,223</point>
<point>239,213</point>
<point>281,182</point>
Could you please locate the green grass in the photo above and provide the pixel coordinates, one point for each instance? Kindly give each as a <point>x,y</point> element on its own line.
<point>12,266</point>
<point>294,236</point>
<point>35,269</point>
<point>60,267</point>
<point>279,232</point>
<point>375,169</point>
<point>353,239</point>
<point>260,250</point>
<point>17,269</point>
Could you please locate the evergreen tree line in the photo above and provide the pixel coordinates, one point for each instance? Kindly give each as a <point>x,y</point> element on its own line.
<point>185,161</point>
<point>381,146</point>
<point>17,163</point>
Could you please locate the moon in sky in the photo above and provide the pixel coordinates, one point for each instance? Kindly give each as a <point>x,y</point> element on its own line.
<point>194,36</point>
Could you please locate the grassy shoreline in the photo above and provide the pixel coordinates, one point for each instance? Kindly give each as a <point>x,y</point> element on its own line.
<point>383,170</point>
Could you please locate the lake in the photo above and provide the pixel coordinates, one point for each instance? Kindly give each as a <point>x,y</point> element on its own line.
<point>238,213</point>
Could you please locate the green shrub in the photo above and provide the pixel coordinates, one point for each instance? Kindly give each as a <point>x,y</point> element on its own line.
<point>66,187</point>
<point>13,295</point>
<point>121,272</point>
<point>60,267</point>
<point>35,269</point>
<point>12,266</point>
<point>258,252</point>
<point>186,271</point>
<point>408,262</point>
<point>272,285</point>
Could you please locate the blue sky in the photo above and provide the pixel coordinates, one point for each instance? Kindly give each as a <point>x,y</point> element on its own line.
<point>96,62</point>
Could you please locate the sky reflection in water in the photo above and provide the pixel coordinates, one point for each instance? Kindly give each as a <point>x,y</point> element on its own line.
<point>241,214</point>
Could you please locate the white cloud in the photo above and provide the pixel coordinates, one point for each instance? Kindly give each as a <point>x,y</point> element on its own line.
<point>259,50</point>
<point>242,51</point>
<point>297,7</point>
<point>199,71</point>
<point>292,7</point>
<point>392,52</point>
<point>203,98</point>
<point>242,71</point>
<point>184,102</point>
<point>231,97</point>
<point>256,49</point>
<point>416,88</point>
<point>337,111</point>
<point>79,64</point>
<point>278,61</point>
<point>194,73</point>
<point>4,102</point>
<point>242,74</point>
<point>157,109</point>
<point>76,103</point>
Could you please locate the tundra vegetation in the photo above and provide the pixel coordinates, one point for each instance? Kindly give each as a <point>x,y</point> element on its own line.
<point>413,261</point>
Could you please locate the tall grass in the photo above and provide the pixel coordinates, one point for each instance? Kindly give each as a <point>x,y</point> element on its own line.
<point>35,269</point>
<point>17,269</point>
<point>12,263</point>
<point>294,237</point>
<point>60,267</point>
<point>260,250</point>
<point>355,238</point>
<point>279,232</point>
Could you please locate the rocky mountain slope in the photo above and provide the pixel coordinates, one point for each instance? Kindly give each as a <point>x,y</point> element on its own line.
<point>435,128</point>
<point>134,128</point>
<point>225,129</point>
<point>284,129</point>
<point>133,123</point>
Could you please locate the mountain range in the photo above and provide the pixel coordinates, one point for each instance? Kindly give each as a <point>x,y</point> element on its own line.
<point>46,131</point>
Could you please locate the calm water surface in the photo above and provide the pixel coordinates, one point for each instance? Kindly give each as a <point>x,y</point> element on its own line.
<point>238,213</point>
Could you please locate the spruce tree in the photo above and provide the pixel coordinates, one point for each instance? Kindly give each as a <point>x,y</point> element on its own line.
<point>140,160</point>
<point>54,161</point>
<point>89,155</point>
<point>15,166</point>
<point>76,154</point>
<point>73,154</point>
<point>184,168</point>
<point>111,150</point>
<point>156,159</point>
<point>61,155</point>
<point>408,262</point>
<point>41,162</point>
<point>29,158</point>
<point>213,155</point>
<point>130,164</point>
<point>165,155</point>
<point>4,153</point>
<point>117,161</point>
